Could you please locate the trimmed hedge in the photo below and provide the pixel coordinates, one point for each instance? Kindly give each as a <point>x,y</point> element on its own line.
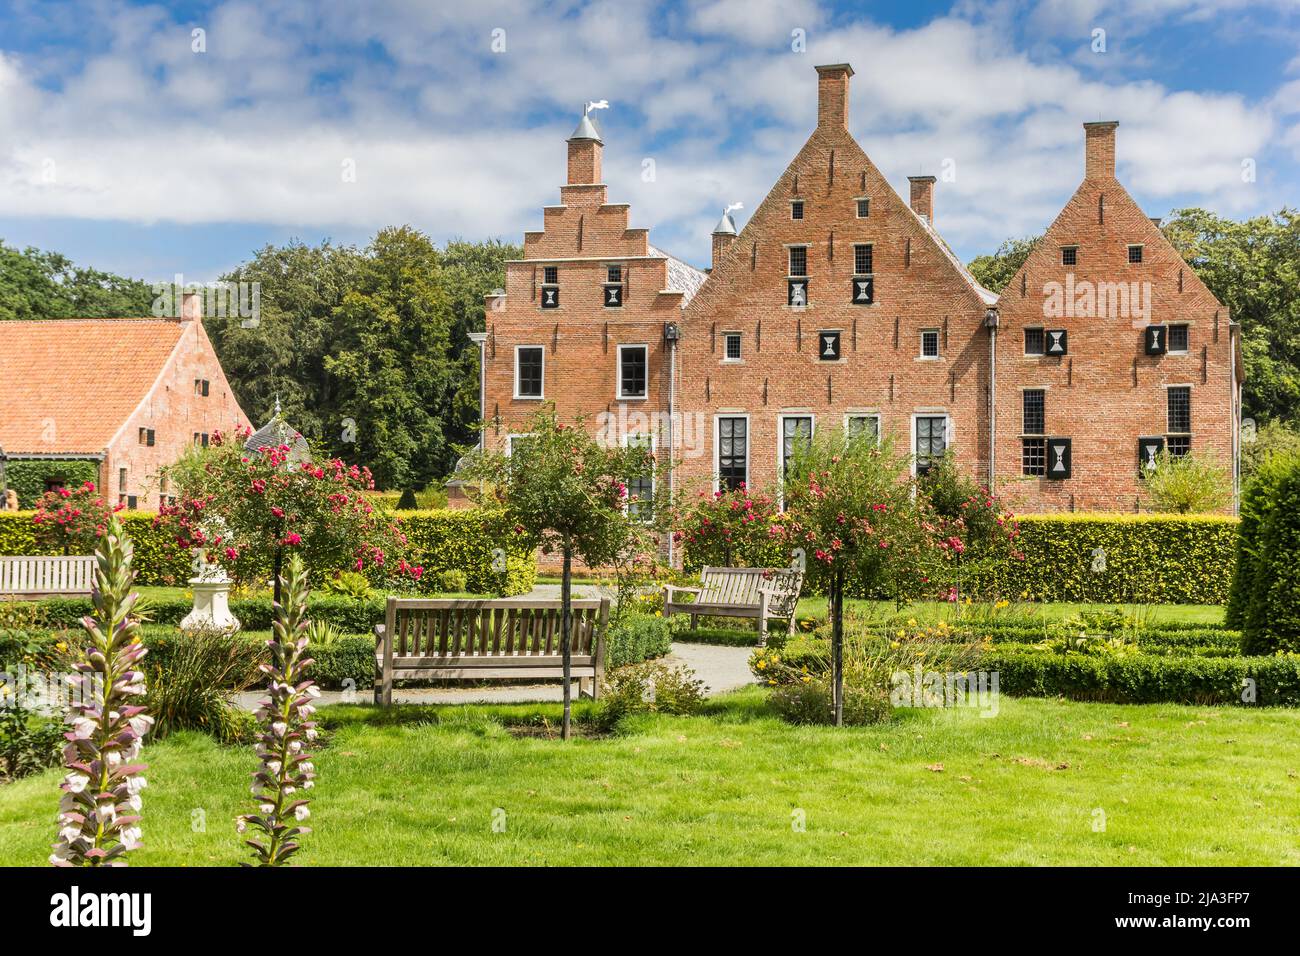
<point>636,638</point>
<point>441,541</point>
<point>1272,619</point>
<point>1149,559</point>
<point>1145,678</point>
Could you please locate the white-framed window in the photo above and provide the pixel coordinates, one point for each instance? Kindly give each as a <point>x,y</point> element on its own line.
<point>731,451</point>
<point>633,371</point>
<point>731,347</point>
<point>798,261</point>
<point>857,425</point>
<point>641,488</point>
<point>530,371</point>
<point>796,430</point>
<point>862,206</point>
<point>929,343</point>
<point>930,440</point>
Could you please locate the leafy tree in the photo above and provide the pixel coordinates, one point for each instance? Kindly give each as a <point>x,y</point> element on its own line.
<point>47,285</point>
<point>973,529</point>
<point>470,270</point>
<point>1269,440</point>
<point>1253,268</point>
<point>391,366</point>
<point>1188,484</point>
<point>850,500</point>
<point>565,492</point>
<point>283,356</point>
<point>996,270</point>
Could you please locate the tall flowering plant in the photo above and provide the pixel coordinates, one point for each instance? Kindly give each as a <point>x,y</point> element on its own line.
<point>851,505</point>
<point>272,507</point>
<point>72,520</point>
<point>99,813</point>
<point>286,772</point>
<point>971,526</point>
<point>564,491</point>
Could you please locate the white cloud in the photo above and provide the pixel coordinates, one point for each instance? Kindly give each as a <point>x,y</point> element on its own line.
<point>458,140</point>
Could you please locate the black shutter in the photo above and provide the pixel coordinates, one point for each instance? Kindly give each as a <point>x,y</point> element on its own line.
<point>1058,342</point>
<point>828,346</point>
<point>1148,449</point>
<point>550,297</point>
<point>613,296</point>
<point>797,292</point>
<point>864,291</point>
<point>1157,340</point>
<point>1059,459</point>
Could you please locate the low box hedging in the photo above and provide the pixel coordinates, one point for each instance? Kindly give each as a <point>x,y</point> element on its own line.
<point>1186,675</point>
<point>1145,678</point>
<point>450,540</point>
<point>635,638</point>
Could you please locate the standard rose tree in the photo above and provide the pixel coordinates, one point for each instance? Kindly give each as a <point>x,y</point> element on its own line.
<point>270,507</point>
<point>562,491</point>
<point>851,505</point>
<point>72,520</point>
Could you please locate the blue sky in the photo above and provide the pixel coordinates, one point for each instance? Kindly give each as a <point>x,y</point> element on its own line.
<point>128,145</point>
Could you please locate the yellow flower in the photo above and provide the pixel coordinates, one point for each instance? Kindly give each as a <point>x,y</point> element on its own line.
<point>901,632</point>
<point>807,679</point>
<point>761,664</point>
<point>61,646</point>
<point>911,622</point>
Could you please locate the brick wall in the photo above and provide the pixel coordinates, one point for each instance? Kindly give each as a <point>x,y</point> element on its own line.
<point>1106,392</point>
<point>175,412</point>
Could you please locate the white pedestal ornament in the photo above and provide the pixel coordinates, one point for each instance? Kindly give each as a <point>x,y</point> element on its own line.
<point>211,602</point>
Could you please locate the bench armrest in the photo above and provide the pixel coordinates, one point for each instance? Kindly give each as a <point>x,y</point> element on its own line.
<point>671,589</point>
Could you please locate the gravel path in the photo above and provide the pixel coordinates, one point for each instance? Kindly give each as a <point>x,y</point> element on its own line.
<point>721,668</point>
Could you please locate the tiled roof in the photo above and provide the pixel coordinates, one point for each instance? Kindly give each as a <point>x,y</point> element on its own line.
<point>68,385</point>
<point>682,276</point>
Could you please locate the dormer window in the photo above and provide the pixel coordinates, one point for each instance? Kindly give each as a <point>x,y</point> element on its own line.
<point>796,209</point>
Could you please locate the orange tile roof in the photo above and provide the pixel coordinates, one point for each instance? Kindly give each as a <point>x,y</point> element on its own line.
<point>76,380</point>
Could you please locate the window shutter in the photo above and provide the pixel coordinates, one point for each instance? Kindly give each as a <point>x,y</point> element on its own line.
<point>1148,449</point>
<point>1157,340</point>
<point>1057,342</point>
<point>864,291</point>
<point>828,346</point>
<point>1059,459</point>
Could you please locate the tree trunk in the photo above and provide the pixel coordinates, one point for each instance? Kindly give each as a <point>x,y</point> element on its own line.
<point>566,638</point>
<point>837,643</point>
<point>277,565</point>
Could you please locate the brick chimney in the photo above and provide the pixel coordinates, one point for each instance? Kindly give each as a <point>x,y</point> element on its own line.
<point>833,95</point>
<point>191,306</point>
<point>585,147</point>
<point>1099,150</point>
<point>922,201</point>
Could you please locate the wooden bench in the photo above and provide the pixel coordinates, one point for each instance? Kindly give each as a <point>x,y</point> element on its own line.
<point>24,576</point>
<point>448,639</point>
<point>763,594</point>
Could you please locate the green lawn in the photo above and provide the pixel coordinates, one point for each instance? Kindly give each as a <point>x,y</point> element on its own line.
<point>1177,785</point>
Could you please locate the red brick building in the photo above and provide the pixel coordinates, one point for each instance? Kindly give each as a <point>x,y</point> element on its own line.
<point>126,395</point>
<point>839,305</point>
